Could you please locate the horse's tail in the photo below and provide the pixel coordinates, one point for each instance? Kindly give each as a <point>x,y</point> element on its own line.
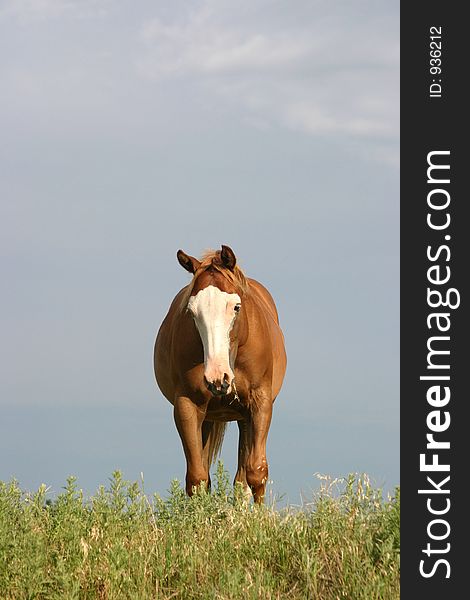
<point>216,437</point>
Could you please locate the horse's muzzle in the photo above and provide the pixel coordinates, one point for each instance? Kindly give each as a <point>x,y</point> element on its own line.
<point>218,389</point>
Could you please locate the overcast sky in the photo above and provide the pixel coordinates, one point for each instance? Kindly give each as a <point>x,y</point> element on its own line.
<point>130,130</point>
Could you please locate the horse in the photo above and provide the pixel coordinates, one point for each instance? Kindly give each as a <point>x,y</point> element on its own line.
<point>219,356</point>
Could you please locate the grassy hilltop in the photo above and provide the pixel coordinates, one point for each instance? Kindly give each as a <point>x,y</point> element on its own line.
<point>122,544</point>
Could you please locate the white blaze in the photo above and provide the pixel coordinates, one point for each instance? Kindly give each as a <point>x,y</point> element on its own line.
<point>214,314</point>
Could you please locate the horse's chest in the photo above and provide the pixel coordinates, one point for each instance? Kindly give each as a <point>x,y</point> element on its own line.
<point>226,408</point>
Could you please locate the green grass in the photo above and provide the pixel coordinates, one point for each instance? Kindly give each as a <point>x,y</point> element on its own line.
<point>122,544</point>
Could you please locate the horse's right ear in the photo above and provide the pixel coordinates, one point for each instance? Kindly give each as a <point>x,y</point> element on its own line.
<point>187,262</point>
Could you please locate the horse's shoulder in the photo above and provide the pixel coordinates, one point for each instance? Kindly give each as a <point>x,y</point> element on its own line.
<point>261,293</point>
<point>174,310</point>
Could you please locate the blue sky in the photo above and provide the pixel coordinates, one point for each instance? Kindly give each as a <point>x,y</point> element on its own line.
<point>131,130</point>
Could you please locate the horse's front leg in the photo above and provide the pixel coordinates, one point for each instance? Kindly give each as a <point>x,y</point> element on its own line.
<point>189,418</point>
<point>256,463</point>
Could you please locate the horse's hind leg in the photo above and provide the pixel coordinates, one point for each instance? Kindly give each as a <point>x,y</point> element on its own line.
<point>207,427</point>
<point>189,419</point>
<point>244,443</point>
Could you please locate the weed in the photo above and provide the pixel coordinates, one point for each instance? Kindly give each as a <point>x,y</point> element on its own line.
<point>122,544</point>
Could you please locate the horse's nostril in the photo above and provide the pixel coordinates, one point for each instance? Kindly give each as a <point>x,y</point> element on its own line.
<point>225,385</point>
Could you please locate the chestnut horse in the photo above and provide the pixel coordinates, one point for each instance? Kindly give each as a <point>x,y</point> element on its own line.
<point>219,356</point>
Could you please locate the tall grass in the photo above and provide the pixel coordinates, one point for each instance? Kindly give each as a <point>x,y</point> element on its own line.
<point>122,544</point>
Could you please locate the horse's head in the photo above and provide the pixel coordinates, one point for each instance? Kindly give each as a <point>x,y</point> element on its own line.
<point>215,302</point>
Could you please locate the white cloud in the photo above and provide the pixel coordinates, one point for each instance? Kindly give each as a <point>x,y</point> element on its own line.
<point>319,74</point>
<point>322,69</point>
<point>203,48</point>
<point>26,10</point>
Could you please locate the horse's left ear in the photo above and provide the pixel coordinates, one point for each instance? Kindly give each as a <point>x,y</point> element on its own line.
<point>228,258</point>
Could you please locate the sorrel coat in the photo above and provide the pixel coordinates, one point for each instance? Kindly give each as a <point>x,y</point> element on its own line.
<point>219,356</point>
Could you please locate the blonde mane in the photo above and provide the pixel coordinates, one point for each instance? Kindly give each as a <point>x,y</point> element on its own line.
<point>211,258</point>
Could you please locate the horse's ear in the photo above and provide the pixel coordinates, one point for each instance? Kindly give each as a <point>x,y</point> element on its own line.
<point>187,262</point>
<point>228,258</point>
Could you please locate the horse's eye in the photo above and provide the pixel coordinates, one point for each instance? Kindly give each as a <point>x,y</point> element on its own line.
<point>237,307</point>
